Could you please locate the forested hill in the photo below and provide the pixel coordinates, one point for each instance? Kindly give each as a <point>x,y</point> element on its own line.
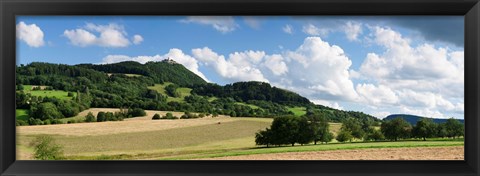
<point>253,90</point>
<point>412,119</point>
<point>160,72</point>
<point>164,85</point>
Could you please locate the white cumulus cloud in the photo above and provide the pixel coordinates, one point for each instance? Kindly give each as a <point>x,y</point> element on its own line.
<point>238,67</point>
<point>31,34</point>
<point>322,69</point>
<point>111,35</point>
<point>422,79</point>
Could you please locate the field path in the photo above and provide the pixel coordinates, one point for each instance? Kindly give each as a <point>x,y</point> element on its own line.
<point>410,153</point>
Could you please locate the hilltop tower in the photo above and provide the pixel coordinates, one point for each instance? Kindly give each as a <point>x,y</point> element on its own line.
<point>170,61</point>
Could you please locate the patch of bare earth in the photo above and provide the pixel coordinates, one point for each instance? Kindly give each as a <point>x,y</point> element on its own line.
<point>415,153</point>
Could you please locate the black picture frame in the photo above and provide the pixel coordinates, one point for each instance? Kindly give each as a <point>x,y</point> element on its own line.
<point>470,9</point>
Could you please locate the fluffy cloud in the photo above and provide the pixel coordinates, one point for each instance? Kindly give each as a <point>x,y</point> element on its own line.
<point>239,67</point>
<point>276,64</point>
<point>31,34</point>
<point>223,24</point>
<point>376,95</point>
<point>316,69</point>
<point>322,68</point>
<point>422,79</point>
<point>111,35</point>
<point>176,54</point>
<point>288,29</point>
<point>137,39</point>
<point>352,30</point>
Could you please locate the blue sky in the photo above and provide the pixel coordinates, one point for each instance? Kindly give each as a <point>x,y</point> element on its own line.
<point>378,65</point>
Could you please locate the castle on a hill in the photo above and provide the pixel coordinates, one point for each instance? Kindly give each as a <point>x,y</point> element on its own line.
<point>170,61</point>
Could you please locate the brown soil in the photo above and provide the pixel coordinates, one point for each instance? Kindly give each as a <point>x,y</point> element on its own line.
<point>417,153</point>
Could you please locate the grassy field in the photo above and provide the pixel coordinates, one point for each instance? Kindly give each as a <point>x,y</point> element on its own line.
<point>21,114</point>
<point>157,137</point>
<point>47,93</point>
<point>250,105</point>
<point>143,138</point>
<point>129,75</point>
<point>160,88</point>
<point>298,111</point>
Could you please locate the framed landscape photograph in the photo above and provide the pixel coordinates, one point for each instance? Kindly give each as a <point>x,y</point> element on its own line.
<point>239,88</point>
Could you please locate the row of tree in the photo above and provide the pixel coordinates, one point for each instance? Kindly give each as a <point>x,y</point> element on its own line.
<point>307,129</point>
<point>291,129</point>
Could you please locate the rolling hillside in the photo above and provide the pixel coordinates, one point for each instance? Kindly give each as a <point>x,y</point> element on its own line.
<point>412,119</point>
<point>134,85</point>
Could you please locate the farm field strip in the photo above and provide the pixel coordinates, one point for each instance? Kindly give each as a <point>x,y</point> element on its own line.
<point>320,147</point>
<point>159,140</point>
<point>407,153</point>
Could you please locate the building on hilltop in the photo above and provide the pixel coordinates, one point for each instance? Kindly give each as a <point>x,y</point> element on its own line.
<point>170,61</point>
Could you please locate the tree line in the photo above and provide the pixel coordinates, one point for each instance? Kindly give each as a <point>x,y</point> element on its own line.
<point>291,130</point>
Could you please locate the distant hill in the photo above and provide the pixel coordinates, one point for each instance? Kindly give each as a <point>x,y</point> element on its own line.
<point>252,90</point>
<point>412,119</point>
<point>160,72</point>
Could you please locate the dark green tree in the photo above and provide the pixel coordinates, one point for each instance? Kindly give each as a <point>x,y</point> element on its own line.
<point>101,116</point>
<point>344,135</point>
<point>171,90</point>
<point>454,128</point>
<point>285,130</point>
<point>44,111</point>
<point>90,117</point>
<point>156,117</point>
<point>305,133</point>
<point>264,137</point>
<point>395,129</point>
<point>425,128</point>
<point>354,126</point>
<point>374,135</point>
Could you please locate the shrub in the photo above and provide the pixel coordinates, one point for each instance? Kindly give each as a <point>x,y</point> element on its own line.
<point>101,117</point>
<point>90,117</point>
<point>70,94</point>
<point>46,149</point>
<point>21,123</point>
<point>71,121</point>
<point>156,117</point>
<point>136,112</point>
<point>344,135</point>
<point>33,121</point>
<point>169,116</point>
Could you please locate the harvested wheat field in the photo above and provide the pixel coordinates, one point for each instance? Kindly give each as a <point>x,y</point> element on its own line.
<point>410,153</point>
<point>137,124</point>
